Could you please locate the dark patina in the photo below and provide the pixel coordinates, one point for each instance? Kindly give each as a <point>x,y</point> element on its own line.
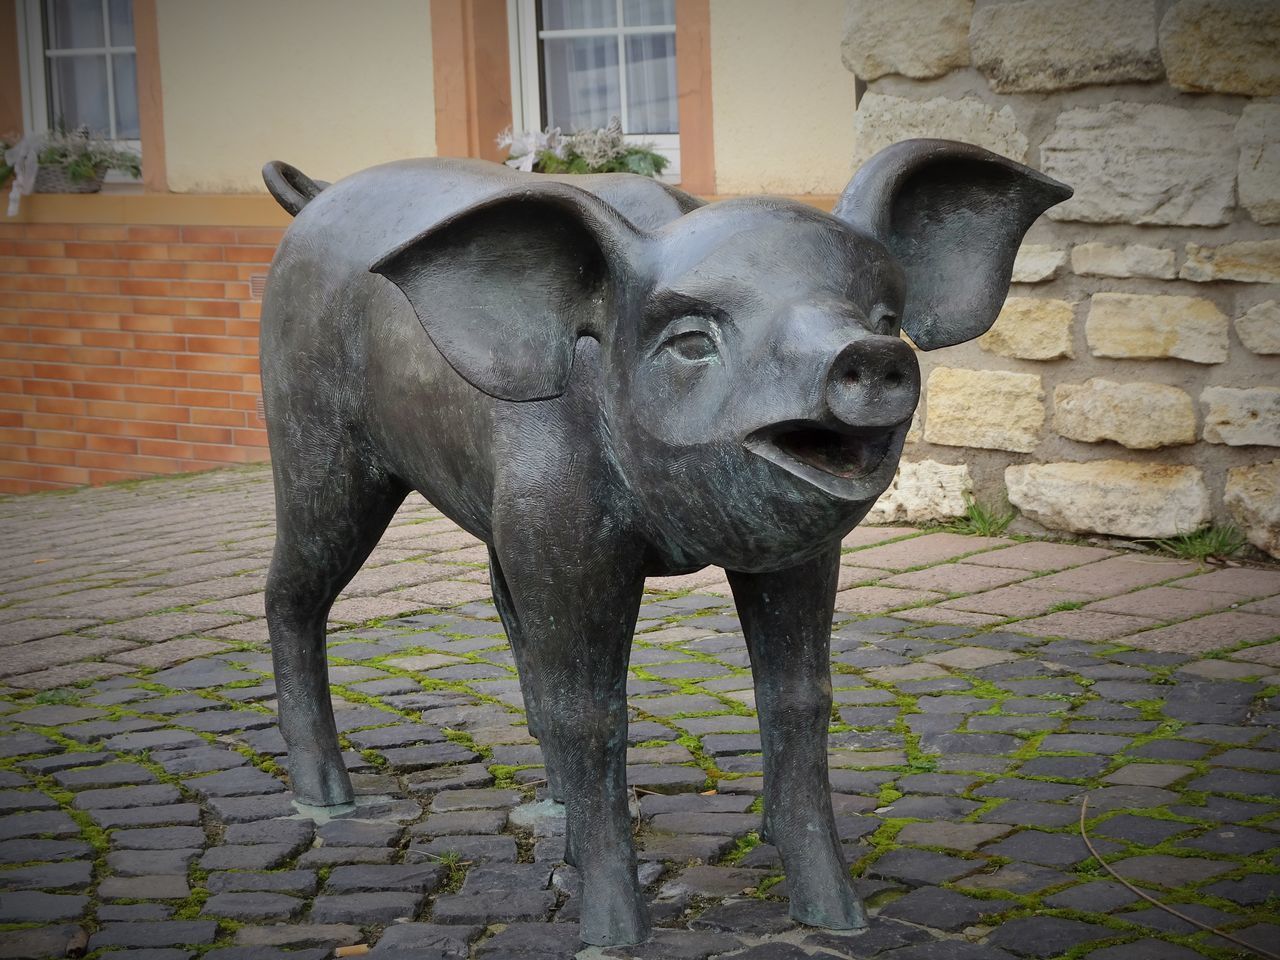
<point>604,379</point>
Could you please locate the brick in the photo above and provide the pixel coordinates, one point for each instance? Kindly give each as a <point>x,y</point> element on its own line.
<point>1084,625</point>
<point>1016,600</point>
<point>1113,576</point>
<point>1206,634</point>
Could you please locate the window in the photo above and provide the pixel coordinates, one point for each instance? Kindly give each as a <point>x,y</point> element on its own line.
<point>576,63</point>
<point>80,66</point>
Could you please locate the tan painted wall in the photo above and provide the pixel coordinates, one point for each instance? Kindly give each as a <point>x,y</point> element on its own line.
<point>329,85</point>
<point>782,100</point>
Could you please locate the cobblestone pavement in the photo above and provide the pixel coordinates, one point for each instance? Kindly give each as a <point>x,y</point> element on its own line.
<point>983,687</point>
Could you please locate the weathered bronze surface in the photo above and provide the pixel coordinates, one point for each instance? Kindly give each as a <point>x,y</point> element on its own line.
<point>605,379</point>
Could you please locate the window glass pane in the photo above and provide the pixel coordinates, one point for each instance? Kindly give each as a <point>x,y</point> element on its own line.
<point>75,23</point>
<point>125,74</point>
<point>648,13</point>
<point>121,12</point>
<point>78,93</point>
<point>578,14</point>
<point>582,83</point>
<point>651,84</point>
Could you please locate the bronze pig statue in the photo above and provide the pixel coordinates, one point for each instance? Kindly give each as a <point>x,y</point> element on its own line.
<point>604,379</point>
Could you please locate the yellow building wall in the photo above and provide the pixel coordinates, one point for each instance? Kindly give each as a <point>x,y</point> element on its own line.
<point>331,86</point>
<point>782,100</point>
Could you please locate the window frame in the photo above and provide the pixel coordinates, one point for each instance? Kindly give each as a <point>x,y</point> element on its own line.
<point>33,56</point>
<point>526,75</point>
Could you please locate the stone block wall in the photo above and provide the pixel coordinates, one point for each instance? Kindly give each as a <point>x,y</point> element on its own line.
<point>1131,385</point>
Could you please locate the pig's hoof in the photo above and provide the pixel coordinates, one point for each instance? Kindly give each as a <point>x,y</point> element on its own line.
<point>612,921</point>
<point>842,911</point>
<point>320,783</point>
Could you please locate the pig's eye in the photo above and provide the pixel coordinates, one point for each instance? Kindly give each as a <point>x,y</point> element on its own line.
<point>692,340</point>
<point>694,346</point>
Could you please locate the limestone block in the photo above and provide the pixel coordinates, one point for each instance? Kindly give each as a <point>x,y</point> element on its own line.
<point>993,409</point>
<point>1143,163</point>
<point>921,39</point>
<point>1250,261</point>
<point>1222,46</point>
<point>1258,134</point>
<point>1134,260</point>
<point>914,432</point>
<point>881,120</point>
<point>1039,45</point>
<point>1115,497</point>
<point>1036,263</point>
<point>1140,416</point>
<point>1252,497</point>
<point>1259,328</point>
<point>924,492</point>
<point>1136,326</point>
<point>1029,328</point>
<point>1241,418</point>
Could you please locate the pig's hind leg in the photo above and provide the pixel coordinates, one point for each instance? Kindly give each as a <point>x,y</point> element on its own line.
<point>332,507</point>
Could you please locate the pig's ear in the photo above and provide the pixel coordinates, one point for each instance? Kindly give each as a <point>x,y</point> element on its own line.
<point>953,215</point>
<point>504,288</point>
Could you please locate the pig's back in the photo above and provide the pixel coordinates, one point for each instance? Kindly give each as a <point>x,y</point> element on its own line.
<point>369,364</point>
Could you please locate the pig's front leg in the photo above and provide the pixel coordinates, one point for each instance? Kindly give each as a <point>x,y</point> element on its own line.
<point>786,616</point>
<point>576,594</point>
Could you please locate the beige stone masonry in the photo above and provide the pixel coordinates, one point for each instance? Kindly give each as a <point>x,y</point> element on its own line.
<point>1252,497</point>
<point>1259,327</point>
<point>1140,416</point>
<point>921,39</point>
<point>1114,497</point>
<point>1258,134</point>
<point>1134,260</point>
<point>915,431</point>
<point>1163,116</point>
<point>1241,418</point>
<point>1042,45</point>
<point>881,120</point>
<point>1029,328</point>
<point>1144,163</point>
<point>1036,263</point>
<point>1137,326</point>
<point>1222,46</point>
<point>1250,261</point>
<point>923,492</point>
<point>992,409</point>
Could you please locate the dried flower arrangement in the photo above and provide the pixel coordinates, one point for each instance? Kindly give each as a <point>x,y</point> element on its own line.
<point>590,151</point>
<point>62,161</point>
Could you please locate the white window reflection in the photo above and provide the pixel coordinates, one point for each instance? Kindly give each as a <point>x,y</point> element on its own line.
<point>604,58</point>
<point>91,66</point>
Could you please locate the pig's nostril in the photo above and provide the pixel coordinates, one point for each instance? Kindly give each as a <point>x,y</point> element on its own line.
<point>893,378</point>
<point>852,375</point>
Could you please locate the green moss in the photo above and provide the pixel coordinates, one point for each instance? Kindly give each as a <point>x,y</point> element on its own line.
<point>61,696</point>
<point>744,845</point>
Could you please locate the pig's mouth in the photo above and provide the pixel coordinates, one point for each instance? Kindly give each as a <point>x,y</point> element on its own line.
<point>846,462</point>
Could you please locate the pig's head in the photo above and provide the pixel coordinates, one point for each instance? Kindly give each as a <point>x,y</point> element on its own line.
<point>755,389</point>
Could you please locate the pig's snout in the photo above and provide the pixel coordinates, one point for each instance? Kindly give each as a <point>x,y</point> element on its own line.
<point>874,382</point>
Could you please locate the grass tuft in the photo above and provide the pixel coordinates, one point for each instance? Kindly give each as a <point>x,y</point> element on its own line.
<point>1066,605</point>
<point>980,520</point>
<point>1206,544</point>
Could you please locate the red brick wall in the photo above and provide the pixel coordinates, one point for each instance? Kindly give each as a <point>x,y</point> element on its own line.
<point>127,351</point>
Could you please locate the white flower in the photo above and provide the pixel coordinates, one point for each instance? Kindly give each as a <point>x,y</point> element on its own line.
<point>525,147</point>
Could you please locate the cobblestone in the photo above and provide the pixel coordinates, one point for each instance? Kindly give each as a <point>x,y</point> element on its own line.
<point>968,729</point>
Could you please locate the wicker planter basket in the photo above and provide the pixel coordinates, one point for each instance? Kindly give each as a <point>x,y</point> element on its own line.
<point>57,180</point>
